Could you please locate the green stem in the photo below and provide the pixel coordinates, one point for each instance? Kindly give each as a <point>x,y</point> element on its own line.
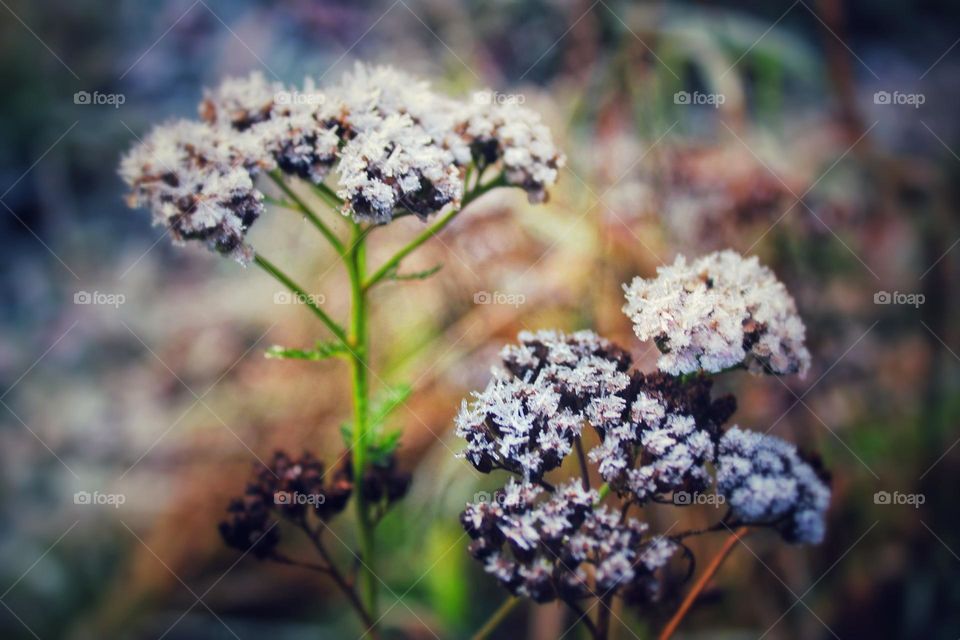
<point>431,231</point>
<point>286,281</point>
<point>496,618</point>
<point>357,340</point>
<point>329,197</point>
<point>305,210</point>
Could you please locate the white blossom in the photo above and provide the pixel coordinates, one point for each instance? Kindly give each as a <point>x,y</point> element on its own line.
<point>720,311</point>
<point>765,481</point>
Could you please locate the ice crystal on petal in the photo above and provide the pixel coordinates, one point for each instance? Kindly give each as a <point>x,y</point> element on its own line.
<point>765,481</point>
<point>396,146</point>
<point>717,312</point>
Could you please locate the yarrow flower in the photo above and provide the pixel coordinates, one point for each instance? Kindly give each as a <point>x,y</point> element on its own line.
<point>719,311</point>
<point>393,143</point>
<point>765,480</point>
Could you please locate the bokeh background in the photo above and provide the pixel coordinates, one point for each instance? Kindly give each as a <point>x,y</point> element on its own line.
<point>821,135</point>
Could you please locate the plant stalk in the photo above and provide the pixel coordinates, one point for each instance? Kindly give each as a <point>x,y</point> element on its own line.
<point>496,618</point>
<point>430,231</point>
<point>701,583</point>
<point>359,352</point>
<point>288,282</point>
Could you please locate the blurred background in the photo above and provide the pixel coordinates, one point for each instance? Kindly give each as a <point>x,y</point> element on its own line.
<point>820,135</point>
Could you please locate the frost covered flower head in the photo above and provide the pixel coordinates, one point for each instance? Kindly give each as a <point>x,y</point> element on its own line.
<point>717,312</point>
<point>182,172</point>
<point>527,418</point>
<point>766,481</point>
<point>664,440</point>
<point>393,144</point>
<point>539,544</point>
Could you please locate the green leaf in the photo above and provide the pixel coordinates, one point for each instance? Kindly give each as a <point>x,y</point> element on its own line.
<point>388,401</point>
<point>321,351</point>
<point>416,275</point>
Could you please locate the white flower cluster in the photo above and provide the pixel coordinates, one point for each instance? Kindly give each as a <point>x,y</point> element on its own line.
<point>396,145</point>
<point>183,172</point>
<point>672,448</point>
<point>539,549</point>
<point>720,311</point>
<point>526,419</point>
<point>765,481</point>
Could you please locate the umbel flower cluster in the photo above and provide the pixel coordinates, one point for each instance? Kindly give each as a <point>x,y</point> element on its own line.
<point>657,434</point>
<point>394,145</point>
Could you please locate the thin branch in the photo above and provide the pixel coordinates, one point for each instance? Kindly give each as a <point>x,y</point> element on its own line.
<point>305,210</point>
<point>496,618</point>
<point>702,582</point>
<point>285,280</point>
<point>345,586</point>
<point>431,231</point>
<point>582,459</point>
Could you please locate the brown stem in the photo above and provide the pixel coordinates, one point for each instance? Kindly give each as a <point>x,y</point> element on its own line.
<point>582,617</point>
<point>344,585</point>
<point>701,583</point>
<point>603,618</point>
<point>582,458</point>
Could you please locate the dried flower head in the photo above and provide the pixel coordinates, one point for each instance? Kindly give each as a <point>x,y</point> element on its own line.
<point>287,487</point>
<point>394,144</point>
<point>765,481</point>
<point>720,311</point>
<point>541,547</point>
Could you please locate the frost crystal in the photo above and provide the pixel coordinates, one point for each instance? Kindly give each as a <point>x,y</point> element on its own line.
<point>765,481</point>
<point>666,439</point>
<point>538,548</point>
<point>181,171</point>
<point>526,419</point>
<point>720,311</point>
<point>394,145</point>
